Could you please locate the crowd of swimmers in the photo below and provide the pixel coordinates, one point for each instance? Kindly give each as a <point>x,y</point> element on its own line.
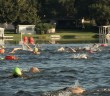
<point>17,72</point>
<point>34,50</point>
<point>94,48</point>
<point>82,52</point>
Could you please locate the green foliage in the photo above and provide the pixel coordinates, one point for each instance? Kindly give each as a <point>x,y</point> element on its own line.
<point>32,11</point>
<point>68,7</point>
<point>7,12</point>
<point>43,27</point>
<point>18,12</point>
<point>27,13</point>
<point>101,13</point>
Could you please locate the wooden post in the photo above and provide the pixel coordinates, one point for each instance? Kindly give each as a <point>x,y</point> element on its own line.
<point>21,36</point>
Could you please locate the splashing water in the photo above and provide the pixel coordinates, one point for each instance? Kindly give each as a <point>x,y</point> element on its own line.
<point>76,84</point>
<point>66,93</point>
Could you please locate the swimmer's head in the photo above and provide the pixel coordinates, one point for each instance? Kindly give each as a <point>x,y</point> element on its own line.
<point>17,72</point>
<point>34,70</point>
<point>77,90</point>
<point>35,50</point>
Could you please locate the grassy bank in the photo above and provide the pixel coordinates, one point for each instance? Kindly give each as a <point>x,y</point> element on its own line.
<point>67,36</point>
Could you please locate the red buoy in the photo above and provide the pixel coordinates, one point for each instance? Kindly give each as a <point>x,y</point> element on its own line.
<point>10,57</point>
<point>25,39</point>
<point>31,40</point>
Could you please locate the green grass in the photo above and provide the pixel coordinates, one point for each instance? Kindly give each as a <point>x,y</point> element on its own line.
<point>66,36</point>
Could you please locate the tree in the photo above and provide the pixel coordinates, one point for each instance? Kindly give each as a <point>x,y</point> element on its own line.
<point>18,12</point>
<point>27,13</point>
<point>7,12</point>
<point>100,11</point>
<point>82,8</point>
<point>48,9</point>
<point>68,7</point>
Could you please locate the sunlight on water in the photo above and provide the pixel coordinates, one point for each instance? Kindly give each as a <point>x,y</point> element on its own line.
<point>79,56</point>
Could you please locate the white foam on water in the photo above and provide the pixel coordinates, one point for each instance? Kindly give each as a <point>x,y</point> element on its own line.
<point>66,93</point>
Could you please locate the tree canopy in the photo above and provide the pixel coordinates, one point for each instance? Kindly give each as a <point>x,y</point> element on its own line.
<point>32,11</point>
<point>18,12</point>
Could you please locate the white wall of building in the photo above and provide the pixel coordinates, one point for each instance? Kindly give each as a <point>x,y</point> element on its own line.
<point>26,29</point>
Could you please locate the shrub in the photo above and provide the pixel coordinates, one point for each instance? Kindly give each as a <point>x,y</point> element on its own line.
<point>43,27</point>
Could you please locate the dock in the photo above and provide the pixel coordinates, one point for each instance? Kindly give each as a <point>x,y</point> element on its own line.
<point>6,37</point>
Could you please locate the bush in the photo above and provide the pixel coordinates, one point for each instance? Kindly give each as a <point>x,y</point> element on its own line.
<point>96,36</point>
<point>43,27</point>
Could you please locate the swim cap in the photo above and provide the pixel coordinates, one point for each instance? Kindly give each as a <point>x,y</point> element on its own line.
<point>35,49</point>
<point>34,70</point>
<point>17,71</point>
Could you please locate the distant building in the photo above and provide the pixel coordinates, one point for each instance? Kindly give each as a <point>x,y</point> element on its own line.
<point>7,26</point>
<point>26,29</point>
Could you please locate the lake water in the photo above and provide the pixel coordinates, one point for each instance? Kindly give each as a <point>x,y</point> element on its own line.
<point>58,70</point>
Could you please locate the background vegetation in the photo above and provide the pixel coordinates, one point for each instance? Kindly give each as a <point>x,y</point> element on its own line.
<point>67,36</point>
<point>41,12</point>
<point>35,11</point>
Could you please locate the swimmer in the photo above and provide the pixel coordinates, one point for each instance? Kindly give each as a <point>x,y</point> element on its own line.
<point>77,90</point>
<point>2,49</point>
<point>61,49</point>
<point>69,49</point>
<point>103,45</point>
<point>95,47</point>
<point>68,91</point>
<point>91,49</point>
<point>28,48</point>
<point>35,50</point>
<point>66,49</point>
<point>17,72</point>
<point>11,57</point>
<point>34,70</point>
<point>15,49</point>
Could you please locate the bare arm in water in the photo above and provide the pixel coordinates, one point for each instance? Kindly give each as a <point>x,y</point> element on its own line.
<point>15,49</point>
<point>28,47</point>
